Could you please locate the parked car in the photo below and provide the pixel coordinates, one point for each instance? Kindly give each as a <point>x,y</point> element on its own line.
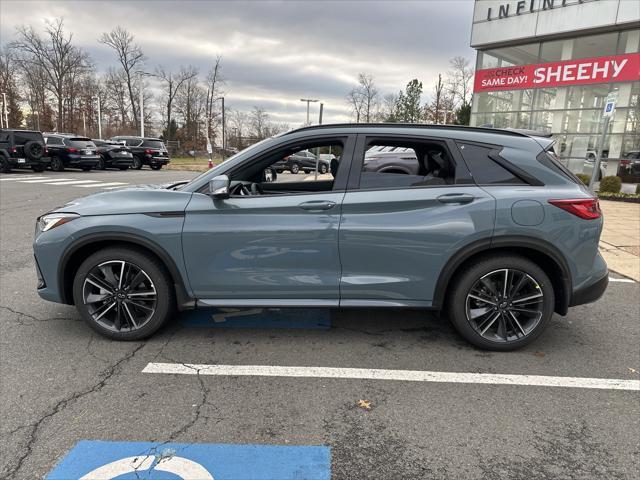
<point>22,149</point>
<point>70,151</point>
<point>113,154</point>
<point>146,151</point>
<point>497,234</point>
<point>304,161</point>
<point>382,158</point>
<point>630,163</point>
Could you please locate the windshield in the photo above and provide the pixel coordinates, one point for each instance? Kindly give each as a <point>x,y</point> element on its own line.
<point>80,142</point>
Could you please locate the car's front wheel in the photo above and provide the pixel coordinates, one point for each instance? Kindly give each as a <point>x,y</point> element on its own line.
<point>57,165</point>
<point>137,163</point>
<point>501,303</point>
<point>124,294</point>
<point>156,167</point>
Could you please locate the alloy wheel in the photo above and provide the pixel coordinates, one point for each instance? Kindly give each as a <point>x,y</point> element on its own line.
<point>119,295</point>
<point>505,305</point>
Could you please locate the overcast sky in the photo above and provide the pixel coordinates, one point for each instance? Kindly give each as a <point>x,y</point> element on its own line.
<point>274,53</point>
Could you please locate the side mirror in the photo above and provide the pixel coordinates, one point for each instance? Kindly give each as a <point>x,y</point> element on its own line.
<point>269,175</point>
<point>219,187</point>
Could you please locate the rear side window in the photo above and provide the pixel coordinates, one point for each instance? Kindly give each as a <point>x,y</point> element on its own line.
<point>20,138</point>
<point>153,144</point>
<point>54,141</point>
<point>549,160</point>
<point>484,169</point>
<point>132,142</point>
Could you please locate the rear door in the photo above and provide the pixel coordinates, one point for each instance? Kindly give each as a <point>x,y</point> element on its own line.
<point>398,231</point>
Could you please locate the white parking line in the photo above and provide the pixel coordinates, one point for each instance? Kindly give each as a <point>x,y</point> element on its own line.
<point>401,375</point>
<point>45,180</point>
<point>73,182</point>
<point>621,280</point>
<point>18,178</point>
<point>100,185</point>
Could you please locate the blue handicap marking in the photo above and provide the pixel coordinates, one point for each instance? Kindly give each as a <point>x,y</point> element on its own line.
<point>609,107</point>
<point>263,318</point>
<point>102,460</point>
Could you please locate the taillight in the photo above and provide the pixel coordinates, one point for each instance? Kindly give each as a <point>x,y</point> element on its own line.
<point>72,150</point>
<point>13,149</point>
<point>586,208</point>
<point>148,151</point>
<point>625,162</point>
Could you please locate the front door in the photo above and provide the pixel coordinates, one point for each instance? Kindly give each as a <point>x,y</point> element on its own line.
<point>278,247</point>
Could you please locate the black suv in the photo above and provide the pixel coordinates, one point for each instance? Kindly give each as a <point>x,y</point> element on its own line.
<point>146,151</point>
<point>22,148</point>
<point>302,160</point>
<point>71,151</point>
<point>113,154</point>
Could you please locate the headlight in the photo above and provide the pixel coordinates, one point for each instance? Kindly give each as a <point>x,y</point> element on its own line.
<point>53,220</point>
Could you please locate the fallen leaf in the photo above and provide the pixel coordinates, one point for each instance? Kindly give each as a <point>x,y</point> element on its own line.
<point>539,354</point>
<point>364,404</point>
<point>632,370</point>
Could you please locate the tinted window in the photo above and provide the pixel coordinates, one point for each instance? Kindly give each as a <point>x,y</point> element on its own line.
<point>20,138</point>
<point>132,142</point>
<point>99,143</point>
<point>153,144</point>
<point>54,141</point>
<point>484,170</point>
<point>79,142</point>
<point>4,137</point>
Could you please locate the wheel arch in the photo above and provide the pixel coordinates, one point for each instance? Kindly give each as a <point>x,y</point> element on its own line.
<point>78,251</point>
<point>542,253</point>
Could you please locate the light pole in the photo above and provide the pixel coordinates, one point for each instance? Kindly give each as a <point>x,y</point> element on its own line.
<point>308,100</point>
<point>142,74</point>
<point>99,119</point>
<point>224,137</point>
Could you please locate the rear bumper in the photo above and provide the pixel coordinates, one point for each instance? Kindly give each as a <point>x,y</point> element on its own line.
<point>590,293</point>
<point>119,161</point>
<point>151,160</point>
<point>88,161</point>
<point>26,162</point>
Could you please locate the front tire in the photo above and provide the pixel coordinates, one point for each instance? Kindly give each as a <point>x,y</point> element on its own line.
<point>101,165</point>
<point>501,303</point>
<point>137,163</point>
<point>124,294</point>
<point>57,165</point>
<point>156,167</point>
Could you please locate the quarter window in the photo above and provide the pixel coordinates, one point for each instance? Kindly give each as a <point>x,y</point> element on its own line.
<point>484,169</point>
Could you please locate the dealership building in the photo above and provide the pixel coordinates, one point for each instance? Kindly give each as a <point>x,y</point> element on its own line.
<point>548,65</point>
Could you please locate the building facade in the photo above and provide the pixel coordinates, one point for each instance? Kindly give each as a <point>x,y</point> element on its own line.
<point>548,65</point>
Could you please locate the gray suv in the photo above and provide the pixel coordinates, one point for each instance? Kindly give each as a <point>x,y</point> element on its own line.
<point>486,226</point>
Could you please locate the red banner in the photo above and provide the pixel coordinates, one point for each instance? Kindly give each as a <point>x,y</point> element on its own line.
<point>617,68</point>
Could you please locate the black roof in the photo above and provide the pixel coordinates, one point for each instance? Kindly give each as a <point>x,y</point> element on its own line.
<point>410,125</point>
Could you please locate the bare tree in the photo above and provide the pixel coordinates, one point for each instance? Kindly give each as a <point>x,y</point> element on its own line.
<point>369,92</point>
<point>214,83</point>
<point>116,103</point>
<point>259,120</point>
<point>387,110</point>
<point>459,79</point>
<point>238,121</point>
<point>130,57</point>
<point>356,103</point>
<point>172,84</point>
<point>9,86</point>
<point>54,55</point>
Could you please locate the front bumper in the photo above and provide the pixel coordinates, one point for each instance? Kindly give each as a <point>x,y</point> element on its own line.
<point>590,293</point>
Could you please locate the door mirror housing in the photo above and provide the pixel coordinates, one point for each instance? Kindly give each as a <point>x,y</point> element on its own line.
<point>219,187</point>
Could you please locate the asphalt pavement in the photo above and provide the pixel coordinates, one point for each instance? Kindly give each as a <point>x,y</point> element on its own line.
<point>61,384</point>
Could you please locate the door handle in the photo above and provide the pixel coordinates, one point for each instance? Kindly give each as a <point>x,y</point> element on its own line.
<point>317,205</point>
<point>456,198</point>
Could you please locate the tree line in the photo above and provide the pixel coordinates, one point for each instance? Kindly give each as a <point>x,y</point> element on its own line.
<point>52,84</point>
<point>450,101</point>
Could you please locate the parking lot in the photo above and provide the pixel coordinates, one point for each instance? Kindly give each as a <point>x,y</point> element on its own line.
<point>565,407</point>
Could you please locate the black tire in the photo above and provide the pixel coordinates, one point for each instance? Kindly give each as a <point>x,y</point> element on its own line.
<point>101,165</point>
<point>295,168</point>
<point>37,168</point>
<point>86,169</point>
<point>467,278</point>
<point>57,165</point>
<point>156,167</point>
<point>307,172</point>
<point>153,268</point>
<point>137,163</point>
<point>33,150</point>
<point>5,166</point>
<point>124,167</point>
<point>323,169</point>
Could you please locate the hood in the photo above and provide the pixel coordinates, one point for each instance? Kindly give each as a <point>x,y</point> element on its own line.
<point>140,199</point>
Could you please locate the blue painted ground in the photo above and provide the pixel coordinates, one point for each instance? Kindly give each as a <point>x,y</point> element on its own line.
<point>119,460</point>
<point>262,318</point>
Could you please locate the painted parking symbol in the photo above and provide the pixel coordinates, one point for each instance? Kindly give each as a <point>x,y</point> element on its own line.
<point>102,460</point>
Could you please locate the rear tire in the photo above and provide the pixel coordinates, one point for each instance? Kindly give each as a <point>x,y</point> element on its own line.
<point>57,165</point>
<point>159,280</point>
<point>156,167</point>
<point>86,169</point>
<point>5,166</point>
<point>101,164</point>
<point>137,163</point>
<point>505,324</point>
<point>37,168</point>
<point>124,167</point>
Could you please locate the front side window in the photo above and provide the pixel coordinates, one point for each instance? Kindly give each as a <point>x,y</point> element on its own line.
<point>393,163</point>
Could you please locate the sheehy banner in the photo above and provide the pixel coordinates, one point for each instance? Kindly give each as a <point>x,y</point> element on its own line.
<point>617,68</point>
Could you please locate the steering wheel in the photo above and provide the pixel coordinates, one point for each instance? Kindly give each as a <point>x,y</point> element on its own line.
<point>247,190</point>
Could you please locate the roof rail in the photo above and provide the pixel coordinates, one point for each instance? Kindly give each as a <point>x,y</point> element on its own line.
<point>409,125</point>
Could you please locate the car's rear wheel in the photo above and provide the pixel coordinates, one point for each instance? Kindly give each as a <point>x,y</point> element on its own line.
<point>5,166</point>
<point>501,303</point>
<point>137,163</point>
<point>124,167</point>
<point>57,165</point>
<point>86,169</point>
<point>295,168</point>
<point>156,167</point>
<point>37,168</point>
<point>101,164</point>
<point>124,294</point>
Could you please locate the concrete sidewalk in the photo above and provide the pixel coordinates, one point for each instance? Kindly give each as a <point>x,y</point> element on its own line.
<point>620,240</point>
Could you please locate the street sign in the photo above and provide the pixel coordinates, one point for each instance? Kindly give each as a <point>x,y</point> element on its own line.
<point>101,460</point>
<point>209,147</point>
<point>610,104</point>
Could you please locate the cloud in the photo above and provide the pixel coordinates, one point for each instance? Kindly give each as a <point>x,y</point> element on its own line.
<point>274,52</point>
